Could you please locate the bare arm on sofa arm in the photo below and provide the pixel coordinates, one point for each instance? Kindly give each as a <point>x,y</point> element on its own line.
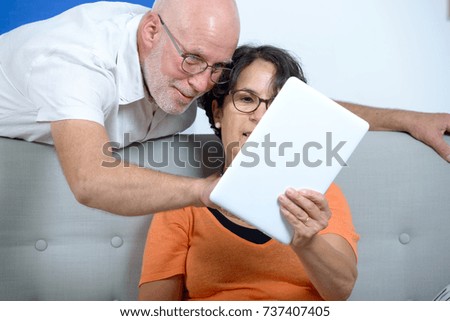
<point>120,189</point>
<point>428,128</point>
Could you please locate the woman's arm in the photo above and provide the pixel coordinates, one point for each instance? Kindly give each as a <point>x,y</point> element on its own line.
<point>170,289</point>
<point>328,259</point>
<point>164,258</point>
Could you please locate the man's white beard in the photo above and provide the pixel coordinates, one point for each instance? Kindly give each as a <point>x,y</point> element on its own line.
<point>159,86</point>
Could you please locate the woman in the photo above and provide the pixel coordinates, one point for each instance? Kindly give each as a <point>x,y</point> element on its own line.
<point>209,254</point>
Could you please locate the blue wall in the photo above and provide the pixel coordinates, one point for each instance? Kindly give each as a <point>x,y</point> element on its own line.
<point>14,13</point>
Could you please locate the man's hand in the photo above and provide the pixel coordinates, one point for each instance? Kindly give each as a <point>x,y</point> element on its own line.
<point>206,186</point>
<point>430,128</point>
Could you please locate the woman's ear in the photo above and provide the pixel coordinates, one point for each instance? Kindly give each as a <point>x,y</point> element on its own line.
<point>217,113</point>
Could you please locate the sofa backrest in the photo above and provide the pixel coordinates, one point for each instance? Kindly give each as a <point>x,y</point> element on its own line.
<point>398,190</point>
<point>53,248</point>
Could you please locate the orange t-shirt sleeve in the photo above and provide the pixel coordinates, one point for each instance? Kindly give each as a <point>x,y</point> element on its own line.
<point>167,245</point>
<point>341,220</point>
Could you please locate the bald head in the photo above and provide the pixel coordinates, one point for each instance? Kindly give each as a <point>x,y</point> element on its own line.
<point>219,16</point>
<point>223,7</point>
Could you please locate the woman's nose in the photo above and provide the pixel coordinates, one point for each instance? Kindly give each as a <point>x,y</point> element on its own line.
<point>259,112</point>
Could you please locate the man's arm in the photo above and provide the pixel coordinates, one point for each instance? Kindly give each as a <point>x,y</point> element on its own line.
<point>428,128</point>
<point>124,190</point>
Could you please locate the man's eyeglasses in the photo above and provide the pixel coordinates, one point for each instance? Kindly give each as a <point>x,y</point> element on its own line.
<point>193,64</point>
<point>247,102</point>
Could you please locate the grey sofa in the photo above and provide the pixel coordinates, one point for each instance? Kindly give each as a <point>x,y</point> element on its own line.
<point>52,248</point>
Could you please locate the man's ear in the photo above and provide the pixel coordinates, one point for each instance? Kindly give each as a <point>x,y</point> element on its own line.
<point>217,112</point>
<point>150,30</point>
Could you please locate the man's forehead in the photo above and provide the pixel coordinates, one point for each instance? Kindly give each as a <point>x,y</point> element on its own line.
<point>213,45</point>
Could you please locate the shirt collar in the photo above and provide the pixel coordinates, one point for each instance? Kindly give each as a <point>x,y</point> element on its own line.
<point>130,82</point>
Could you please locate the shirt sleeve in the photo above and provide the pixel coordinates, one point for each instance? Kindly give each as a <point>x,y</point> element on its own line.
<point>340,222</point>
<point>167,246</point>
<point>71,86</point>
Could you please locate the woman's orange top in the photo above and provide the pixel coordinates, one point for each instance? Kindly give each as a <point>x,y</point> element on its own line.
<point>219,265</point>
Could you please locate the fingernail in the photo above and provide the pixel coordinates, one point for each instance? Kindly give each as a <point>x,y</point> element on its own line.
<point>448,158</point>
<point>290,191</point>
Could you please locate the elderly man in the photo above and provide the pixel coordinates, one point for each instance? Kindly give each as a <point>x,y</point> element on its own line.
<point>90,75</point>
<point>104,71</point>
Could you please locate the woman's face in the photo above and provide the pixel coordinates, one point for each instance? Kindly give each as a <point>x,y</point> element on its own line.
<point>235,125</point>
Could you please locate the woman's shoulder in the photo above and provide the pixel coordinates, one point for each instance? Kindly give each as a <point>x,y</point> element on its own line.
<point>334,192</point>
<point>184,214</point>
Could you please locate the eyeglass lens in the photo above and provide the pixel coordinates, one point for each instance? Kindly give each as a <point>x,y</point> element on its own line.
<point>247,102</point>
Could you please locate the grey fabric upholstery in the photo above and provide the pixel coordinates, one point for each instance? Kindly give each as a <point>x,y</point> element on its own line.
<point>52,248</point>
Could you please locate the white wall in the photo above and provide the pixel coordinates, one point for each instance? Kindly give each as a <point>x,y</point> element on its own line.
<point>387,53</point>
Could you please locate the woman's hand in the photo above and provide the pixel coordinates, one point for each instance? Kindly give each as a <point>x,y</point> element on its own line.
<point>308,213</point>
<point>328,259</point>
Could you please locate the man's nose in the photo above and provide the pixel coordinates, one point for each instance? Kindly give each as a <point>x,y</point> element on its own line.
<point>201,82</point>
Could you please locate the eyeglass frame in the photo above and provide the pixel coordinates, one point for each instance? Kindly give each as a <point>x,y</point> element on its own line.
<point>214,68</point>
<point>268,102</point>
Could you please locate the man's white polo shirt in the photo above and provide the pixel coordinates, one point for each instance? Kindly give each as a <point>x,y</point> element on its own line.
<point>81,64</point>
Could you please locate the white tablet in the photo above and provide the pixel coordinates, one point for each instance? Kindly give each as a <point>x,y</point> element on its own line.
<point>302,141</point>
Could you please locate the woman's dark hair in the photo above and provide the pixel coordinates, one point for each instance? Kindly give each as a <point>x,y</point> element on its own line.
<point>286,66</point>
